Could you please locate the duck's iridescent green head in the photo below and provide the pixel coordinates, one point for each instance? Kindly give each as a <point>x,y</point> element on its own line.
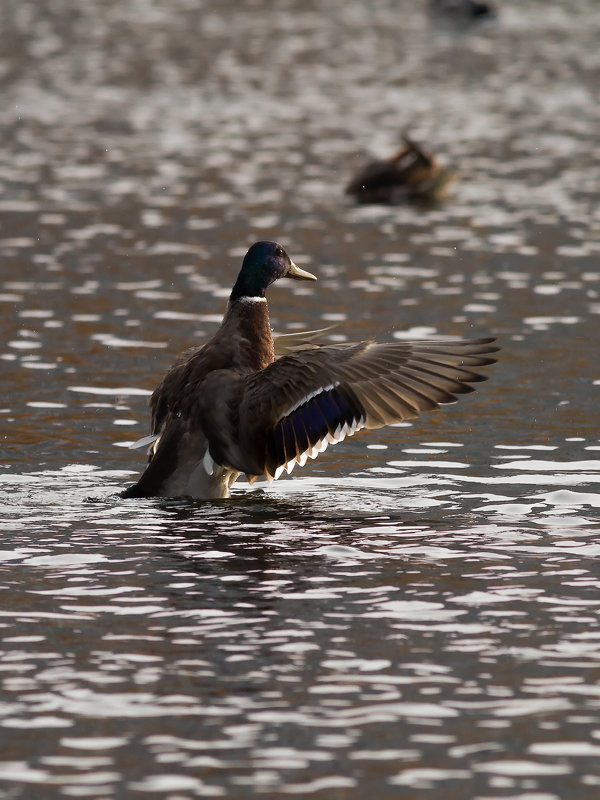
<point>264,263</point>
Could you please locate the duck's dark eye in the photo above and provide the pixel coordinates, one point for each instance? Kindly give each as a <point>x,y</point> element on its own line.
<point>279,251</point>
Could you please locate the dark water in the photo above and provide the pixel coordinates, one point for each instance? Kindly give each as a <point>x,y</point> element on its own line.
<point>415,614</point>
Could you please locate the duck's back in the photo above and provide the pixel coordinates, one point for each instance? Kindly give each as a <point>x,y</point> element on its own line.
<point>243,344</point>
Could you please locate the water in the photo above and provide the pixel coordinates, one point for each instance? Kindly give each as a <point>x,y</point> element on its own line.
<point>414,614</point>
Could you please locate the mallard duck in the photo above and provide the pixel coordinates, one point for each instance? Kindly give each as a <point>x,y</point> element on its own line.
<point>411,174</point>
<point>230,407</point>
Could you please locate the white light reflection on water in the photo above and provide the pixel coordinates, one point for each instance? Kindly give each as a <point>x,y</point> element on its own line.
<point>218,598</point>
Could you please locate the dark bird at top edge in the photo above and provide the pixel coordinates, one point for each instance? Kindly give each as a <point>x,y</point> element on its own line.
<point>412,174</point>
<point>231,406</point>
<point>464,9</point>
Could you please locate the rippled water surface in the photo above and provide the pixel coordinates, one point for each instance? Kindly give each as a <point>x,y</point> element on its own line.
<point>415,614</point>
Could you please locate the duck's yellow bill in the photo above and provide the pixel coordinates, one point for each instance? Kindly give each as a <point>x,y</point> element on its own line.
<point>300,274</point>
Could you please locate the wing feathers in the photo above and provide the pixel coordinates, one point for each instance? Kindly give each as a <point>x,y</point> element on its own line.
<point>325,417</point>
<point>379,412</point>
<point>458,377</point>
<point>424,395</point>
<point>308,399</point>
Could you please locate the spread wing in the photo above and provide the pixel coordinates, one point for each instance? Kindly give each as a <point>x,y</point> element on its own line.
<point>284,343</point>
<point>306,400</point>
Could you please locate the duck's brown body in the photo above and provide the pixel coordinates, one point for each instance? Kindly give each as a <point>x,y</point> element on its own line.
<point>243,345</point>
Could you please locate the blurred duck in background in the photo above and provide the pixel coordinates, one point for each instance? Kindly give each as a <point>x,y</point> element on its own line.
<point>412,174</point>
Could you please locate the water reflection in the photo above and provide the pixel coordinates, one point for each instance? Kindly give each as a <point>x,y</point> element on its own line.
<point>239,603</point>
<point>440,629</point>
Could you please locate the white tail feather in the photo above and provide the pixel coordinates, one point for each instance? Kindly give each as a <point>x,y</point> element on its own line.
<point>144,441</point>
<point>209,464</point>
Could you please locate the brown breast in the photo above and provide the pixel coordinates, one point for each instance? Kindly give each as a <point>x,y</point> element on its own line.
<point>247,331</point>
